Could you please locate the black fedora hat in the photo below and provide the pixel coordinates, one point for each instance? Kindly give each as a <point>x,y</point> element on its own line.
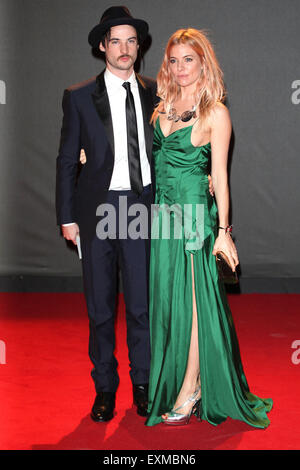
<point>115,16</point>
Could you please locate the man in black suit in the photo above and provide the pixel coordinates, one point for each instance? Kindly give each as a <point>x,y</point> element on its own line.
<point>109,118</point>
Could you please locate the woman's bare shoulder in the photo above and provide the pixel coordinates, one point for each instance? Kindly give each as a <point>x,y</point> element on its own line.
<point>220,111</point>
<point>220,115</point>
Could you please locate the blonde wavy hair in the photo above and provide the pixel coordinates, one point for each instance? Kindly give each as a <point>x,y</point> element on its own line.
<point>210,87</point>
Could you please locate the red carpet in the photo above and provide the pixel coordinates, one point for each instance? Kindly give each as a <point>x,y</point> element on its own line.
<point>46,391</point>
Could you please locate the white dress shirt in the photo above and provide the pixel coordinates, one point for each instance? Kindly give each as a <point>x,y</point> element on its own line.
<point>117,97</point>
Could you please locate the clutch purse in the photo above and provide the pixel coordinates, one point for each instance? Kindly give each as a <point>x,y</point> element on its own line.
<point>224,269</point>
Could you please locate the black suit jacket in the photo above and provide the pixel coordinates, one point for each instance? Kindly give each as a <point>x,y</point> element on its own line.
<point>87,124</point>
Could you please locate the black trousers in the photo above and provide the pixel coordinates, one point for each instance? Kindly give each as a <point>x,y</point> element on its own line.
<point>101,259</point>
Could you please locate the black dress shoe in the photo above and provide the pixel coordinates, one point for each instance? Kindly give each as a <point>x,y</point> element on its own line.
<point>103,408</point>
<point>140,399</point>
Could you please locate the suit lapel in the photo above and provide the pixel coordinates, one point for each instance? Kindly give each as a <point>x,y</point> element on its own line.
<point>101,103</point>
<point>147,108</point>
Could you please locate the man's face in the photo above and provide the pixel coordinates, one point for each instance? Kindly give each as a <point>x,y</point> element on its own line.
<point>121,49</point>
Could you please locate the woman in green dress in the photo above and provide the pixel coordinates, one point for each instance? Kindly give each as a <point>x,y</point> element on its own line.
<point>196,365</point>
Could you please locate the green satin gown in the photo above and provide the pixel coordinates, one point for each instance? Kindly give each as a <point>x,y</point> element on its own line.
<point>181,182</point>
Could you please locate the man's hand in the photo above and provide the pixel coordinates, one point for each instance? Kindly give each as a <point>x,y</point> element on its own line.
<point>70,232</point>
<point>211,188</point>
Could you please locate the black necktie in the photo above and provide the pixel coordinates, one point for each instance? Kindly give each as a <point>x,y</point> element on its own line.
<point>133,143</point>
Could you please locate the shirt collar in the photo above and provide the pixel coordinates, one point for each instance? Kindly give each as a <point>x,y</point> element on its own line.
<point>113,82</point>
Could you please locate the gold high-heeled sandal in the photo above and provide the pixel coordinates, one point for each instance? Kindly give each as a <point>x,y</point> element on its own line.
<point>178,419</point>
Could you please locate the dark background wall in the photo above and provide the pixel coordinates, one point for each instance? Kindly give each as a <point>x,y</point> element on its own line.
<point>44,49</point>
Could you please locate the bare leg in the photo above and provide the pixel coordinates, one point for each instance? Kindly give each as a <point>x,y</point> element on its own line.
<point>192,376</point>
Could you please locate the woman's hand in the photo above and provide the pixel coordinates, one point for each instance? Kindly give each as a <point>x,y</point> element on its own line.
<point>82,157</point>
<point>225,243</point>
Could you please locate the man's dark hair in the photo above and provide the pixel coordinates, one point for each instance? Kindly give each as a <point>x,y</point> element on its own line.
<point>107,37</point>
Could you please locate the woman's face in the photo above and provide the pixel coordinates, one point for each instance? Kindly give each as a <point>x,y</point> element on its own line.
<point>185,65</point>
